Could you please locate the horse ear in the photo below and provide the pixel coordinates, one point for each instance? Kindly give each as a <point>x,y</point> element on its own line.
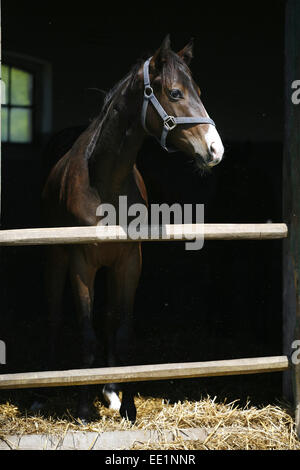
<point>160,56</point>
<point>187,52</point>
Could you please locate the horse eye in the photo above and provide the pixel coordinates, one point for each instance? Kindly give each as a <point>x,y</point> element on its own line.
<point>175,94</point>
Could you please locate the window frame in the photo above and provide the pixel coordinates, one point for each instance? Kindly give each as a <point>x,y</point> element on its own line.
<point>41,97</point>
<point>12,64</point>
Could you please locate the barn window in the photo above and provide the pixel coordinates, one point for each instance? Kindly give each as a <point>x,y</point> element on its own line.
<point>17,105</point>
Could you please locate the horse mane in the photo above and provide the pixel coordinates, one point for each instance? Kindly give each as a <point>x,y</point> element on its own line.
<point>108,106</point>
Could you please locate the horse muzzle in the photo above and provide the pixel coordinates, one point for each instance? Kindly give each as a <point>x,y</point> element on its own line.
<point>208,157</point>
<point>214,146</point>
<point>215,155</point>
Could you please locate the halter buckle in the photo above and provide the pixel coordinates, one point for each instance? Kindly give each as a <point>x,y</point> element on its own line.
<point>148,92</point>
<point>170,123</point>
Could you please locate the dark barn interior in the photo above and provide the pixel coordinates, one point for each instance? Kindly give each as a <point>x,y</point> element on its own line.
<point>222,302</point>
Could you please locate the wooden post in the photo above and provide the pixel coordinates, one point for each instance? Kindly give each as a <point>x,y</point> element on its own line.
<point>291,208</point>
<point>1,99</point>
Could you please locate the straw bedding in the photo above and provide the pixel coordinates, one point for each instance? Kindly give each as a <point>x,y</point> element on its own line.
<point>230,426</point>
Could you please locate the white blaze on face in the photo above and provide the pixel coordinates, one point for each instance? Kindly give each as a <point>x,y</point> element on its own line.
<point>214,145</point>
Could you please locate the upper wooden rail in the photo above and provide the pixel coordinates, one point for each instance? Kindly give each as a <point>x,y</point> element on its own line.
<point>110,234</point>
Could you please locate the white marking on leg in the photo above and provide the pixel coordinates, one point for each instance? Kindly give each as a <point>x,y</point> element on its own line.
<point>112,399</point>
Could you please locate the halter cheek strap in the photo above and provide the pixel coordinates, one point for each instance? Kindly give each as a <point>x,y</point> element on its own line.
<point>170,122</point>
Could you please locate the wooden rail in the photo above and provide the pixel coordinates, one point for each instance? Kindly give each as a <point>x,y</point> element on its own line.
<point>83,235</point>
<point>144,373</point>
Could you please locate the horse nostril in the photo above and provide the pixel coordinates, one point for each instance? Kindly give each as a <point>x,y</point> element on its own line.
<point>215,154</point>
<point>212,153</point>
<point>213,149</point>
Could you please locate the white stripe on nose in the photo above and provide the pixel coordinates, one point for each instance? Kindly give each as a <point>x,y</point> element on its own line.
<point>214,145</point>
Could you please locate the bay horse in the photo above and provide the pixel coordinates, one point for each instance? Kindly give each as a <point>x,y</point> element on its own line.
<point>158,97</point>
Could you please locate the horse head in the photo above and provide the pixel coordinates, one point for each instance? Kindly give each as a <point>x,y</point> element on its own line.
<point>178,112</point>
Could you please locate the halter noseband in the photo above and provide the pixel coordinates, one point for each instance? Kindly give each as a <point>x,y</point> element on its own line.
<point>170,122</point>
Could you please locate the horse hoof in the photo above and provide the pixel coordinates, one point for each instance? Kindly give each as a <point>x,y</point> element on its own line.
<point>84,415</point>
<point>128,413</point>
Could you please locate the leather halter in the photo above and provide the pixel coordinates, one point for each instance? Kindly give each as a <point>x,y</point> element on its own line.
<point>170,122</point>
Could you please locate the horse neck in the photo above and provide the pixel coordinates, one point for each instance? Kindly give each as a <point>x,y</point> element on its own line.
<point>115,152</point>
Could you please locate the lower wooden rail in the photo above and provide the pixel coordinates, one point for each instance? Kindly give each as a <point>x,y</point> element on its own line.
<point>144,373</point>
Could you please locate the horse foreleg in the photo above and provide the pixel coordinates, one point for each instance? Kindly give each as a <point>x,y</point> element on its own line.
<point>122,284</point>
<point>57,261</point>
<point>111,391</point>
<point>82,278</point>
<point>56,267</point>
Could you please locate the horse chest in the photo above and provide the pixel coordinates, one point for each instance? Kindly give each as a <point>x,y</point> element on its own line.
<point>105,254</point>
